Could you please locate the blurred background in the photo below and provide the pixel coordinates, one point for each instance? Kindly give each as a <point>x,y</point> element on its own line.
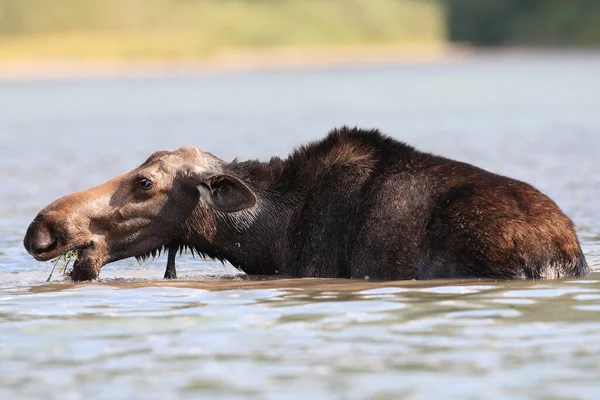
<point>90,88</point>
<point>237,31</point>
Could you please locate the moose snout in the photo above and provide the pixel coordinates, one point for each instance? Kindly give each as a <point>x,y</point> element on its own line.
<point>40,238</point>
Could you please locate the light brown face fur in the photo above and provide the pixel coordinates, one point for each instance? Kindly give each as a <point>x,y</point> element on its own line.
<point>136,212</point>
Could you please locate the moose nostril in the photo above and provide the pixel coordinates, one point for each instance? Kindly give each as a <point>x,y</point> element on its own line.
<point>42,240</point>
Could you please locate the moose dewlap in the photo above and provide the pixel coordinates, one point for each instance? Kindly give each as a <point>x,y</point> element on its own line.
<point>354,204</point>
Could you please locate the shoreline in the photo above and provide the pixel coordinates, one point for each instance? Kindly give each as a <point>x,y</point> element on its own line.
<point>228,61</point>
<point>249,60</point>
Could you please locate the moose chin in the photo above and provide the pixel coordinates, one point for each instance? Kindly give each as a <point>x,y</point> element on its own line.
<point>356,203</point>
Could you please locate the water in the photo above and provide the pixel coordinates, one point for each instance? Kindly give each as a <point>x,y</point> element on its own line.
<point>214,333</point>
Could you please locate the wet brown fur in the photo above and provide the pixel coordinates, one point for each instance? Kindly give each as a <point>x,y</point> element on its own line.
<point>354,204</point>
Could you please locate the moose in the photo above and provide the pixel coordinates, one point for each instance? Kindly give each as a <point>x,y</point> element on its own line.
<point>354,204</point>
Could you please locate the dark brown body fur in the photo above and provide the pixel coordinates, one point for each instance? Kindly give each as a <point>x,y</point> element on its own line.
<point>360,204</point>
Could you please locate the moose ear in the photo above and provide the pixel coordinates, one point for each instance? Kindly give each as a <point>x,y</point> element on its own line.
<point>222,192</point>
<point>226,193</point>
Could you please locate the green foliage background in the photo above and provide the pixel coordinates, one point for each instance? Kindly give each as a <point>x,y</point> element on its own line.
<point>199,28</point>
<point>196,28</point>
<point>524,22</point>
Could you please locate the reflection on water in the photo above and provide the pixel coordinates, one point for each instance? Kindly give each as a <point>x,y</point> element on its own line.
<point>296,338</point>
<point>218,333</point>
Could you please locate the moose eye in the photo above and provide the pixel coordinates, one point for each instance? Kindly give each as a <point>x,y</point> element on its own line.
<point>144,184</point>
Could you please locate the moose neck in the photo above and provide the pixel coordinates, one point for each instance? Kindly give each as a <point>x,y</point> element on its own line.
<point>254,240</point>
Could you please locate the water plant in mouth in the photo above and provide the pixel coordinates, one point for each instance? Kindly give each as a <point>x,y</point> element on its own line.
<point>67,258</point>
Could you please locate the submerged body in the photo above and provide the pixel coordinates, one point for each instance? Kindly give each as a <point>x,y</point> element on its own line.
<point>352,205</point>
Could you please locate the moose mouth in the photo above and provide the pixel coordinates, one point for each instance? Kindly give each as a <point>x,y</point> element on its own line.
<point>89,256</point>
<point>54,252</point>
<point>85,267</point>
<point>87,264</point>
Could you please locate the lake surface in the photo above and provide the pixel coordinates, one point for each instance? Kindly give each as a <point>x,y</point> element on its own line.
<point>214,333</point>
